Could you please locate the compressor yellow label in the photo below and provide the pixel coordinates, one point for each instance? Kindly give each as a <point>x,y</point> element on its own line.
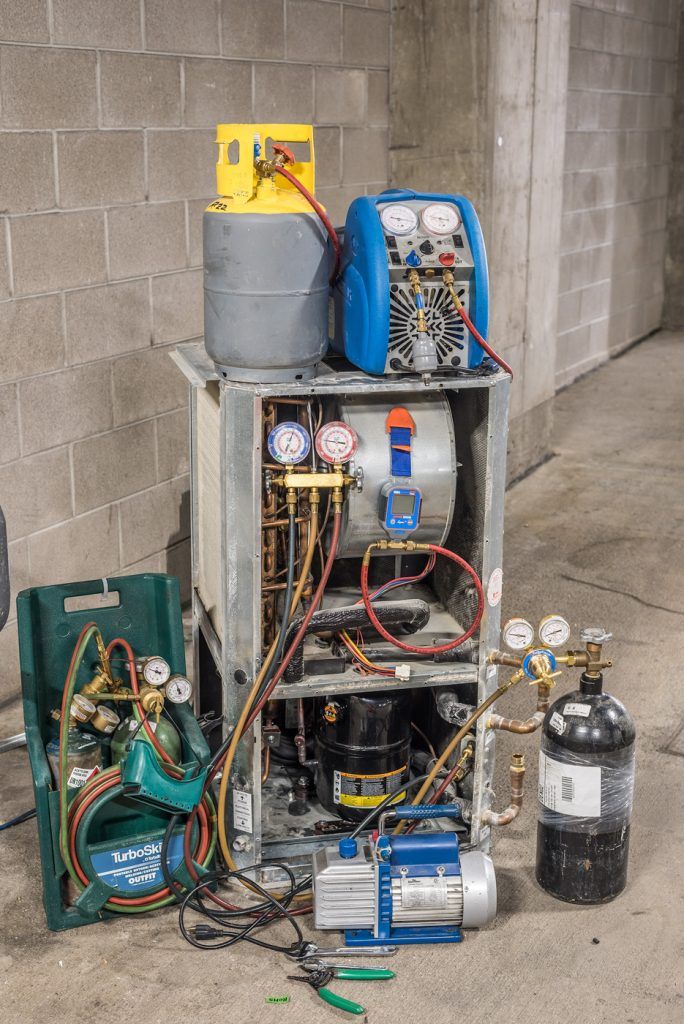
<point>368,790</point>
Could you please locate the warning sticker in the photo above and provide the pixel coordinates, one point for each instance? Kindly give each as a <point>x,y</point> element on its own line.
<point>138,866</point>
<point>367,790</point>
<point>495,587</point>
<point>417,893</point>
<point>568,788</point>
<point>242,810</point>
<point>583,710</point>
<point>79,776</point>
<point>557,722</point>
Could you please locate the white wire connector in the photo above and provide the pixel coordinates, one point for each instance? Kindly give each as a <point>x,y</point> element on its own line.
<point>403,672</point>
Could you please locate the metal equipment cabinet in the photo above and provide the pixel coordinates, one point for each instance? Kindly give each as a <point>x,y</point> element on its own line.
<point>226,463</point>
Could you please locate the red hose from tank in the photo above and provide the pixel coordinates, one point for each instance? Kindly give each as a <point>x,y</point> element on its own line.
<point>321,213</point>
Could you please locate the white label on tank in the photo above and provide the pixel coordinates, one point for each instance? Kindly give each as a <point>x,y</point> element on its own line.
<point>79,776</point>
<point>556,722</point>
<point>495,587</point>
<point>584,710</point>
<point>569,788</point>
<point>417,893</point>
<point>242,810</point>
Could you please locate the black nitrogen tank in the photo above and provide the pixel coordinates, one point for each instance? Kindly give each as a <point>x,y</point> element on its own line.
<point>363,746</point>
<point>586,781</point>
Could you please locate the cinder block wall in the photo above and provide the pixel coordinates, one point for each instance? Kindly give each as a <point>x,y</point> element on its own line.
<point>622,76</point>
<point>107,111</point>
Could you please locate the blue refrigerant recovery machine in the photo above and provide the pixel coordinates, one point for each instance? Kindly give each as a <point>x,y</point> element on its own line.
<point>412,264</point>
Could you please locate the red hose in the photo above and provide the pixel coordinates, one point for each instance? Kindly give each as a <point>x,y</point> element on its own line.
<point>440,648</point>
<point>481,341</point>
<point>321,213</point>
<point>133,676</point>
<point>83,801</point>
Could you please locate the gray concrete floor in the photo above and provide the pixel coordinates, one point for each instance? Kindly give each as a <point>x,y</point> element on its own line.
<point>597,533</point>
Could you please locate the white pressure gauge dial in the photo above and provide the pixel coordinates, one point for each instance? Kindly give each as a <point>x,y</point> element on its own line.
<point>518,634</point>
<point>155,671</point>
<point>399,220</point>
<point>336,442</point>
<point>554,631</point>
<point>179,689</point>
<point>289,443</point>
<point>440,219</point>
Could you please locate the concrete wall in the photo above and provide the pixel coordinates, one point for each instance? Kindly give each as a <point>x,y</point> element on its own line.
<point>673,311</point>
<point>621,81</point>
<point>478,94</point>
<point>107,113</point>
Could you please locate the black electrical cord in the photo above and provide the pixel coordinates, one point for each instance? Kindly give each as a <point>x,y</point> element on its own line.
<point>19,820</point>
<point>233,926</point>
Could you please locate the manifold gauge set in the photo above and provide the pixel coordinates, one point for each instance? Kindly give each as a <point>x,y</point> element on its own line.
<point>348,472</point>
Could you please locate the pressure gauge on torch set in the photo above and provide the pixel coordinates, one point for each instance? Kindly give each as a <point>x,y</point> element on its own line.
<point>336,443</point>
<point>178,689</point>
<point>155,670</point>
<point>289,443</point>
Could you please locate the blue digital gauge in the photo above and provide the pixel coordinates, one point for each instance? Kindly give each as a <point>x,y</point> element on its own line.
<point>289,443</point>
<point>400,510</point>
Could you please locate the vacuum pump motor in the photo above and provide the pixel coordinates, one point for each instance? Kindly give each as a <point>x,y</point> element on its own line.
<point>404,888</point>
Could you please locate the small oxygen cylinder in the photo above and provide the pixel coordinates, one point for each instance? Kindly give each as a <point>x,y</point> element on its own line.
<point>164,731</point>
<point>586,781</point>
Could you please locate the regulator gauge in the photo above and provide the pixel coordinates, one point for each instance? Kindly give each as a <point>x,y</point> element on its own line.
<point>554,631</point>
<point>440,219</point>
<point>336,442</point>
<point>518,634</point>
<point>289,443</point>
<point>155,671</point>
<point>399,220</point>
<point>179,689</point>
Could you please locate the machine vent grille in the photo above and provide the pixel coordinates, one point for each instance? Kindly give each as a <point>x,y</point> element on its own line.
<point>444,325</point>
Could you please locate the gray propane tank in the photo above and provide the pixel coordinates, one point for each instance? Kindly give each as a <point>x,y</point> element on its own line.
<point>266,269</point>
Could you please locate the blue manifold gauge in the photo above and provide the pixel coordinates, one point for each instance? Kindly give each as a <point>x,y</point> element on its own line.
<point>400,510</point>
<point>289,443</point>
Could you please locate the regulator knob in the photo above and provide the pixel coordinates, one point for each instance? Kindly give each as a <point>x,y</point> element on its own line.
<point>595,635</point>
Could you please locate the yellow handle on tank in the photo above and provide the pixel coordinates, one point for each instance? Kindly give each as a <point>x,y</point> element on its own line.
<point>236,177</point>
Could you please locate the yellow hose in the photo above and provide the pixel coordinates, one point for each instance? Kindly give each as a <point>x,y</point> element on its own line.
<point>463,731</point>
<point>244,714</point>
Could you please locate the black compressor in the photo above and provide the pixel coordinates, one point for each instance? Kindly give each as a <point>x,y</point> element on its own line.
<point>363,748</point>
<point>586,781</point>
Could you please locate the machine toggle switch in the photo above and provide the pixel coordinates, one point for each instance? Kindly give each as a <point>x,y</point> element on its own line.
<point>413,259</point>
<point>447,258</point>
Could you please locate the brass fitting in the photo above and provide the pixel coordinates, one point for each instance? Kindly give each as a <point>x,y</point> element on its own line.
<point>518,726</point>
<point>151,700</point>
<point>416,288</point>
<point>517,777</point>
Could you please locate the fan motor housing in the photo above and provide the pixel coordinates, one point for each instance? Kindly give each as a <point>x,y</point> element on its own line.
<point>375,322</point>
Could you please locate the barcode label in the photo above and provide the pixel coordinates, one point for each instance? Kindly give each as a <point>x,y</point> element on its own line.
<point>569,788</point>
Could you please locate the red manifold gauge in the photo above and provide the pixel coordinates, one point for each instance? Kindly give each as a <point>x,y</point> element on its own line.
<point>336,443</point>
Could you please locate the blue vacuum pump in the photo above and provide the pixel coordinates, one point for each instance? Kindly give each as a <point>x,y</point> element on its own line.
<point>403,889</point>
<point>409,261</point>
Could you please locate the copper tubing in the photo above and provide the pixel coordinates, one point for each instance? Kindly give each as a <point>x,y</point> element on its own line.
<point>517,774</point>
<point>523,728</point>
<point>267,764</point>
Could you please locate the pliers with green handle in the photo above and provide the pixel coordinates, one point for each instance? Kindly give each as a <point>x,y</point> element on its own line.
<point>322,976</point>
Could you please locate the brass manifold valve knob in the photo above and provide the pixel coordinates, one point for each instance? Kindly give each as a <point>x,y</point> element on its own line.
<point>335,480</point>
